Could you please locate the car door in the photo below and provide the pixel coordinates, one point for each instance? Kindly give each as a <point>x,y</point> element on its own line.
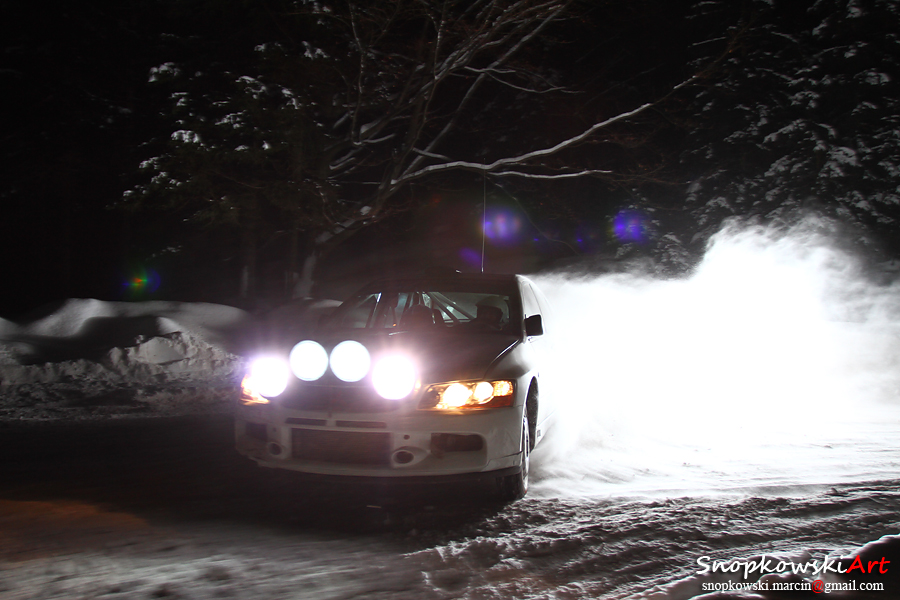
<point>534,303</point>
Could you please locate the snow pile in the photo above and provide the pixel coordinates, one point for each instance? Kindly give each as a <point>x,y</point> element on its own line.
<point>168,358</point>
<point>90,358</point>
<point>174,356</point>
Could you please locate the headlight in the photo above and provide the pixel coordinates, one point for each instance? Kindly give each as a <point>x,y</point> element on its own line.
<point>268,377</point>
<point>308,360</point>
<point>350,361</point>
<point>394,377</point>
<point>468,394</point>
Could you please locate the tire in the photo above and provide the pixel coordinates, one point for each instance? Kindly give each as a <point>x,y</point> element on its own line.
<point>514,487</point>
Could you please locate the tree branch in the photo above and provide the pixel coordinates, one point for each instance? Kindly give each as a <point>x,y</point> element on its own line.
<point>524,158</point>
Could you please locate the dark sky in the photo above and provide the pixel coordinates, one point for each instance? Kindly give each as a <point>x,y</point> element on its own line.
<point>73,76</point>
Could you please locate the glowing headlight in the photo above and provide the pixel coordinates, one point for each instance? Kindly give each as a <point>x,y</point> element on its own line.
<point>350,361</point>
<point>267,377</point>
<point>462,395</point>
<point>394,377</point>
<point>456,395</point>
<point>308,360</point>
<point>482,392</point>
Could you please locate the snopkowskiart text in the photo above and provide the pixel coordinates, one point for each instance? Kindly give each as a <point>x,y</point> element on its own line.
<point>764,564</point>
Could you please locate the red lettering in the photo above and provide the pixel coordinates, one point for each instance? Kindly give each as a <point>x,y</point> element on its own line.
<point>857,564</point>
<point>872,563</point>
<point>881,569</point>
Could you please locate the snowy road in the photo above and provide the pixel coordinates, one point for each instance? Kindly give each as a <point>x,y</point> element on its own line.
<point>163,508</point>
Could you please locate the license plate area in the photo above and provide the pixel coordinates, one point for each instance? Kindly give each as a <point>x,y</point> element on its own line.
<point>341,447</point>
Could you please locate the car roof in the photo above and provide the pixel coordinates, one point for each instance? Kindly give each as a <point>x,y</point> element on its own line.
<point>438,278</point>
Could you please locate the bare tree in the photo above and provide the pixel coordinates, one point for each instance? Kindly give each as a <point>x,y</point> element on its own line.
<point>324,126</point>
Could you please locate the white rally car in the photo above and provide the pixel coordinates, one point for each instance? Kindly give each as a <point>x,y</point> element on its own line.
<point>417,377</point>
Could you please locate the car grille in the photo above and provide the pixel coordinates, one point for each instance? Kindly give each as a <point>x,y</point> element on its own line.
<point>342,447</point>
<point>337,399</point>
<point>257,431</point>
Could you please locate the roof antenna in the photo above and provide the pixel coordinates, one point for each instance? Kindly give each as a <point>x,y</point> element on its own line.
<point>483,215</point>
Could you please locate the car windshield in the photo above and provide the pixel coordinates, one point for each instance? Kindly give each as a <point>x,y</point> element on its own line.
<point>454,306</point>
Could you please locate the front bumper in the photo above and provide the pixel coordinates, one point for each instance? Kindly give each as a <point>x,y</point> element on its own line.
<point>403,443</point>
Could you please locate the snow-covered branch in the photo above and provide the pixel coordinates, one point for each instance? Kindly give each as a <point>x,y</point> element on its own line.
<point>523,159</point>
<point>584,173</point>
<point>495,75</point>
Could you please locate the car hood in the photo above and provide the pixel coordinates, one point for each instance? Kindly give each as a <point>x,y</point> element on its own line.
<point>438,357</point>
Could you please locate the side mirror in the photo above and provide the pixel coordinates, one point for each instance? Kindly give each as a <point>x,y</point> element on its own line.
<point>534,325</point>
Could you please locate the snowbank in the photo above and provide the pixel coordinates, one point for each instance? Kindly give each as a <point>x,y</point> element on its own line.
<point>90,359</point>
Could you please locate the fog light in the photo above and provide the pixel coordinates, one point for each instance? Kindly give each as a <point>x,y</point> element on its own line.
<point>350,361</point>
<point>268,376</point>
<point>308,360</point>
<point>394,377</point>
<point>403,457</point>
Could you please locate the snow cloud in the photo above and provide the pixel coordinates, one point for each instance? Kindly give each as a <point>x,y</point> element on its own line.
<point>775,362</point>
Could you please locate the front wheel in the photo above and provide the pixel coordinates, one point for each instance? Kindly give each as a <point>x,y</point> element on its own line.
<point>514,487</point>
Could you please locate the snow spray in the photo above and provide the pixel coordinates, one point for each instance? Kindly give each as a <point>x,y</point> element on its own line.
<point>775,363</point>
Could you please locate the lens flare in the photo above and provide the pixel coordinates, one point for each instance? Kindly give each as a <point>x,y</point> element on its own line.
<point>470,257</point>
<point>588,237</point>
<point>631,226</point>
<point>350,361</point>
<point>308,360</point>
<point>140,283</point>
<point>503,226</point>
